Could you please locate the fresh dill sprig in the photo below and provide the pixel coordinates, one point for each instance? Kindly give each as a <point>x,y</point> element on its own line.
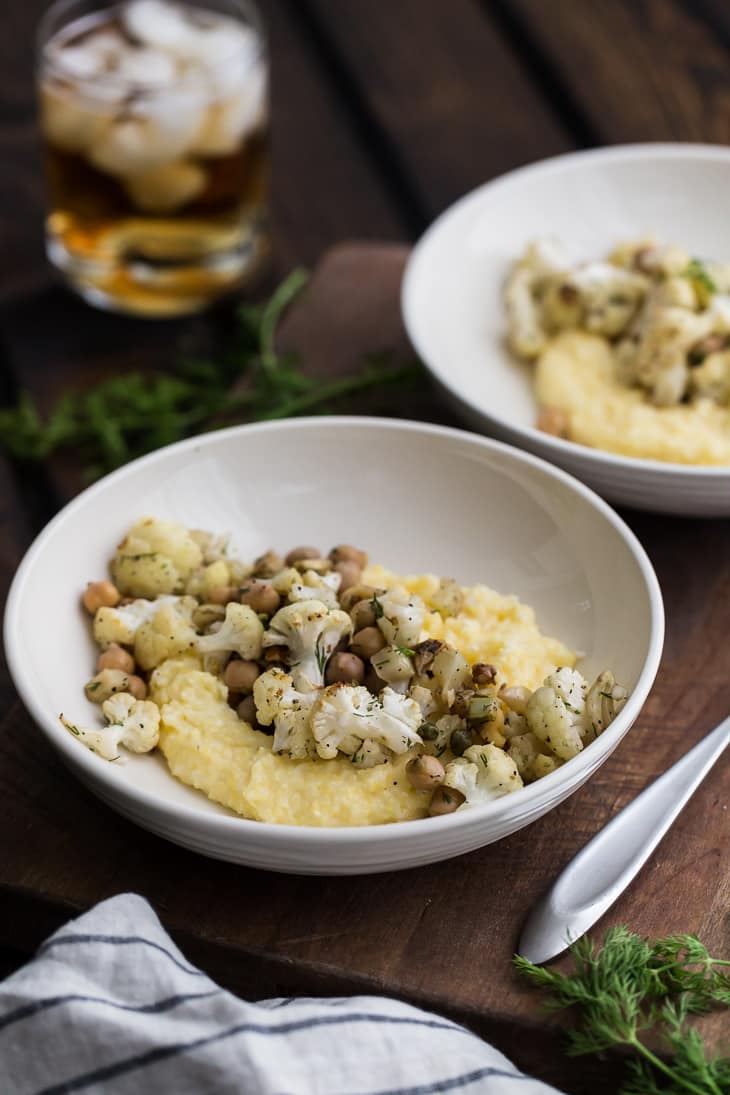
<point>629,987</point>
<point>698,273</point>
<point>129,415</point>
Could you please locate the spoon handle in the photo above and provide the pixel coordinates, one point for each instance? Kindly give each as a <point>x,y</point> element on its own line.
<point>602,870</point>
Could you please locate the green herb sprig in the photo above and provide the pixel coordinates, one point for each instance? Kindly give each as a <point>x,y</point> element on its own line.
<point>698,273</point>
<point>129,415</point>
<point>627,988</point>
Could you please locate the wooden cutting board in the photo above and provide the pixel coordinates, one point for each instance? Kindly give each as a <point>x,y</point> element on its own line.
<point>441,936</point>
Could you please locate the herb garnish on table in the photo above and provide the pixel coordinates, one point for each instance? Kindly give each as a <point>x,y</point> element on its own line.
<point>126,416</point>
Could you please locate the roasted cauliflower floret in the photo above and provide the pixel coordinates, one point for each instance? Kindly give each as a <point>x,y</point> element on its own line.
<point>240,633</point>
<point>345,713</point>
<point>120,624</point>
<point>310,631</point>
<point>401,617</point>
<point>553,723</point>
<point>131,723</point>
<point>482,774</point>
<point>604,700</point>
<point>167,634</point>
<point>278,701</point>
<point>155,557</point>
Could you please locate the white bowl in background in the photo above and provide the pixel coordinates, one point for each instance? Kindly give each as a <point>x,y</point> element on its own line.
<point>418,498</point>
<point>452,293</point>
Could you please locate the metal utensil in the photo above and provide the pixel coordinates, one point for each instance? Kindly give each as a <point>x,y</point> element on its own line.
<point>602,870</point>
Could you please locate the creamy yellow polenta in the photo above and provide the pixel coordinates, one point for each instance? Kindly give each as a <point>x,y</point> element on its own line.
<point>207,746</point>
<point>577,374</point>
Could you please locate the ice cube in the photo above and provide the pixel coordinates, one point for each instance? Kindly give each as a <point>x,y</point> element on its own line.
<point>160,24</point>
<point>68,121</point>
<point>166,188</point>
<point>150,67</point>
<point>231,119</point>
<point>79,62</point>
<point>159,131</point>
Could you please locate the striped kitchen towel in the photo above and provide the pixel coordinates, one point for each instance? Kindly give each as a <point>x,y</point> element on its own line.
<point>109,1004</point>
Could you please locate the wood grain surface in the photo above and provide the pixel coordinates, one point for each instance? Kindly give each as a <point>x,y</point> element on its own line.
<point>382,115</point>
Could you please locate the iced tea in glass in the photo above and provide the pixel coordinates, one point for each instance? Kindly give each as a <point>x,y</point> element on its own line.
<point>154,118</point>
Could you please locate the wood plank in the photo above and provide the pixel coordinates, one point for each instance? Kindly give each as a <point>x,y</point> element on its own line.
<point>640,70</point>
<point>450,928</point>
<point>443,89</point>
<point>15,535</point>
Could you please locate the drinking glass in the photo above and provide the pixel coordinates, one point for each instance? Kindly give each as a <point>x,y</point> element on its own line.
<point>154,119</point>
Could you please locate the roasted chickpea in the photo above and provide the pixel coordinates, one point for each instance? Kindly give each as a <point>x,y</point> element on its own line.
<point>221,595</point>
<point>367,642</point>
<point>137,687</point>
<point>115,657</point>
<point>488,731</point>
<point>553,420</point>
<point>345,667</point>
<point>516,697</point>
<point>346,553</point>
<point>425,773</point>
<point>239,675</point>
<point>268,564</point>
<point>362,615</point>
<point>207,614</point>
<point>483,674</point>
<point>100,595</point>
<point>445,800</point>
<point>350,574</point>
<point>260,596</point>
<point>298,553</point>
<point>246,710</point>
<point>354,594</point>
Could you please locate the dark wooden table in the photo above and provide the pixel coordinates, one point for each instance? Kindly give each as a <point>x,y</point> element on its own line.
<point>384,113</point>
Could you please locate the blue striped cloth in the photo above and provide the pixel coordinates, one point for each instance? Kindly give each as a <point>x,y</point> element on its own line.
<point>109,1004</point>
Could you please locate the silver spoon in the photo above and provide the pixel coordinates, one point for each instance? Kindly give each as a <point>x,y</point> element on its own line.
<point>602,870</point>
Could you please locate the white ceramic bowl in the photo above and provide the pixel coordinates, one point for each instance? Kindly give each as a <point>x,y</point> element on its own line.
<point>452,293</point>
<point>417,498</point>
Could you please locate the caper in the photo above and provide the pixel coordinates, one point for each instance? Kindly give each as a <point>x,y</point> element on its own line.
<point>428,731</point>
<point>460,741</point>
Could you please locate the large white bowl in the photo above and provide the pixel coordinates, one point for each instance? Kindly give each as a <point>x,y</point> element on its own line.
<point>418,498</point>
<point>452,293</point>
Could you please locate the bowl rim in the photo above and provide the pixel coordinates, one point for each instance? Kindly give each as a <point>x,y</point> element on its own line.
<point>95,771</point>
<point>554,447</point>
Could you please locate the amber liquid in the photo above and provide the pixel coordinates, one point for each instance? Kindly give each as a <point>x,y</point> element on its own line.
<point>119,254</point>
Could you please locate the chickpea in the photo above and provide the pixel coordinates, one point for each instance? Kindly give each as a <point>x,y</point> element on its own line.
<point>424,772</point>
<point>362,615</point>
<point>207,614</point>
<point>461,739</point>
<point>516,697</point>
<point>346,553</point>
<point>246,711</point>
<point>483,674</point>
<point>354,594</point>
<point>239,675</point>
<point>367,642</point>
<point>221,595</point>
<point>553,420</point>
<point>445,800</point>
<point>298,553</point>
<point>268,564</point>
<point>100,595</point>
<point>345,667</point>
<point>350,573</point>
<point>115,657</point>
<point>137,687</point>
<point>260,596</point>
